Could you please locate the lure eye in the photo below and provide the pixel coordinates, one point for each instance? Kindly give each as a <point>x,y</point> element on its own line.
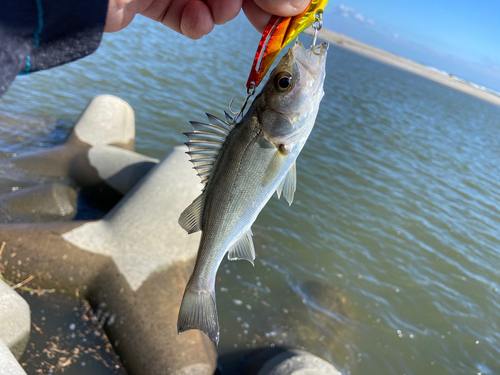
<point>283,82</point>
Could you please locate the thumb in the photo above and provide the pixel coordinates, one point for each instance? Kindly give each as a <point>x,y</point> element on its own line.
<point>284,8</point>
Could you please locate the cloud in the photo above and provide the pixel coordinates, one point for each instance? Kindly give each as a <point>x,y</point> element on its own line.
<point>347,12</point>
<point>359,17</point>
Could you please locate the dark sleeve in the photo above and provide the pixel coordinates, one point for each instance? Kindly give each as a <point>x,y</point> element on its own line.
<point>40,34</point>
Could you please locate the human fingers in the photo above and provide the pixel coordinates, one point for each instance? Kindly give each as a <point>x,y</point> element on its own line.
<point>191,18</point>
<point>259,12</point>
<point>121,13</point>
<point>283,8</point>
<point>257,16</point>
<point>224,10</point>
<point>196,20</point>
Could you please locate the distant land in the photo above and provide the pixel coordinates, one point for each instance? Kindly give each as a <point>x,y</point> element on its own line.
<point>408,65</point>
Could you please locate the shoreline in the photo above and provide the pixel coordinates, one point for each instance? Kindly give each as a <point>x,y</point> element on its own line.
<point>354,45</point>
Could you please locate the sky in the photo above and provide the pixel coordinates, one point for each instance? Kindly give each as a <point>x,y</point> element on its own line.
<point>460,37</point>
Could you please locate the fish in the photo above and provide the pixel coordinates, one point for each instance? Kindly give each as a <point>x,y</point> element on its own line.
<point>241,165</point>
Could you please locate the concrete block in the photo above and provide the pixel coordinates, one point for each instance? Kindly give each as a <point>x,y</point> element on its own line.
<point>142,233</point>
<point>49,202</point>
<point>8,363</point>
<point>297,362</point>
<point>119,168</point>
<point>108,120</point>
<point>15,320</point>
<point>133,264</point>
<point>98,150</point>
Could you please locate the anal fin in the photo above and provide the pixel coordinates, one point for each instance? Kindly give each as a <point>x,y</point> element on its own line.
<point>243,248</point>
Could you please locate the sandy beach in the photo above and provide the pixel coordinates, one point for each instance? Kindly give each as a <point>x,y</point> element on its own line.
<point>402,63</point>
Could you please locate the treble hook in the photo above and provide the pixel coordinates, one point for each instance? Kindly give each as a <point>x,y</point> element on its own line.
<point>239,113</point>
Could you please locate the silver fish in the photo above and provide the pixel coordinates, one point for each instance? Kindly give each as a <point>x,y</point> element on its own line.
<point>241,167</point>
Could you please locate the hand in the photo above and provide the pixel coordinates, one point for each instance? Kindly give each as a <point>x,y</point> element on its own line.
<point>195,18</point>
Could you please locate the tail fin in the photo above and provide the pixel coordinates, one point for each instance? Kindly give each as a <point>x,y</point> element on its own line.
<point>198,311</point>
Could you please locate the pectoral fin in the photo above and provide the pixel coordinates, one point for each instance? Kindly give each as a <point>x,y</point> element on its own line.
<point>288,184</point>
<point>243,248</point>
<point>273,169</point>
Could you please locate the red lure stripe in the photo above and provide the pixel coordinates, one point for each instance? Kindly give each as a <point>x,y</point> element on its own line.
<point>255,75</point>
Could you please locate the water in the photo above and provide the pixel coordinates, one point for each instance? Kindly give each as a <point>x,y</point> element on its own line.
<point>387,261</point>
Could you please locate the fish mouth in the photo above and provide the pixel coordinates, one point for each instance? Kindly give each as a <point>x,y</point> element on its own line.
<point>313,57</point>
<point>312,62</point>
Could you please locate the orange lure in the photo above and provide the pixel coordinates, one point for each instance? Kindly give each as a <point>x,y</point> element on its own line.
<point>278,33</point>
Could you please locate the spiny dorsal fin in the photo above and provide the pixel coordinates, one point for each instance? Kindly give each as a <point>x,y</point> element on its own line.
<point>229,118</point>
<point>217,121</point>
<point>288,184</point>
<point>243,248</point>
<point>190,219</point>
<point>204,144</point>
<point>201,127</point>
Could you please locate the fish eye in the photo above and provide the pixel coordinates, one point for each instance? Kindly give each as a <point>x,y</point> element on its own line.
<point>283,82</point>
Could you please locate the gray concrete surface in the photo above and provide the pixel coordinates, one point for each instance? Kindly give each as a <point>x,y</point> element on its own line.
<point>133,265</point>
<point>8,363</point>
<point>120,168</point>
<point>142,233</point>
<point>15,320</point>
<point>52,201</point>
<point>297,362</point>
<point>108,120</point>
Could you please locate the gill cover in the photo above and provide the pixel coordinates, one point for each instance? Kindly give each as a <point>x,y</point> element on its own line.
<point>293,89</point>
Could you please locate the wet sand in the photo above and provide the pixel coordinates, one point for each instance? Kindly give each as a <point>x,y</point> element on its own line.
<point>402,63</point>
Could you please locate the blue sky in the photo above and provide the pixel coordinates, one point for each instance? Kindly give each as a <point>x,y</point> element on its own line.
<point>460,37</point>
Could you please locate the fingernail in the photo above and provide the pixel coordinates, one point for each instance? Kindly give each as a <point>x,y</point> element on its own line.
<point>298,4</point>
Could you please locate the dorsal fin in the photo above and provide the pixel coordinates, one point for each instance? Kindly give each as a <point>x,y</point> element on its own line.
<point>204,144</point>
<point>229,118</point>
<point>217,121</point>
<point>288,184</point>
<point>243,248</point>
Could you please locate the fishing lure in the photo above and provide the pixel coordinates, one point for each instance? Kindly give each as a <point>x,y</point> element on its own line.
<point>279,32</point>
